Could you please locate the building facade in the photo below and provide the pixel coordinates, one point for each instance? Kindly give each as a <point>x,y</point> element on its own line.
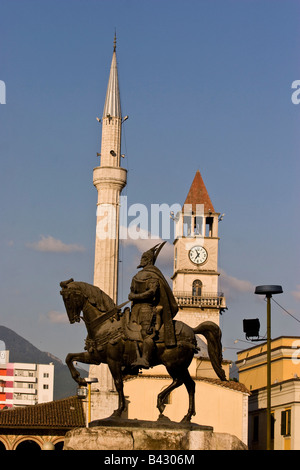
<point>285,392</point>
<point>222,405</point>
<point>23,384</point>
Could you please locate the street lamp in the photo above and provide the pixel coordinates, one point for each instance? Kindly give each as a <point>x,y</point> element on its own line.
<point>268,291</point>
<point>89,381</point>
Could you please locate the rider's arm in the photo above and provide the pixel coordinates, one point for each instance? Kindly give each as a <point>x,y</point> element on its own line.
<point>149,292</point>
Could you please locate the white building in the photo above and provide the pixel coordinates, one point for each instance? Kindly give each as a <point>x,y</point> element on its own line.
<point>23,384</point>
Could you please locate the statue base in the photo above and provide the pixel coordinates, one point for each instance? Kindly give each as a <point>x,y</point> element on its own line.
<point>130,435</point>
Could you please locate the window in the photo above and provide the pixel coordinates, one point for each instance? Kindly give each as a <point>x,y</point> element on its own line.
<point>197,288</point>
<point>255,428</point>
<point>198,225</point>
<point>208,227</point>
<point>45,387</point>
<point>272,425</point>
<point>187,226</point>
<point>46,375</point>
<point>286,422</point>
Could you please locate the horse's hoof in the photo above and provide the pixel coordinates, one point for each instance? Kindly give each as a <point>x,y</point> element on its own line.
<point>116,415</point>
<point>186,419</point>
<point>163,419</point>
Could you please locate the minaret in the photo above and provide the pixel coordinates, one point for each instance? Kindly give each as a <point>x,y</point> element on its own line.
<point>109,179</point>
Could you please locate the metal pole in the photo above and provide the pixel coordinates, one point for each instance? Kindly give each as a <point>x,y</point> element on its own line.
<point>89,405</point>
<point>269,372</point>
<point>268,291</point>
<point>89,381</point>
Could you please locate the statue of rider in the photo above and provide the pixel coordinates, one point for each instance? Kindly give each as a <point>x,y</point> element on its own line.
<point>151,297</point>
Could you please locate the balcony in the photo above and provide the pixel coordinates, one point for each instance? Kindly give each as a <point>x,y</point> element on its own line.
<point>206,300</point>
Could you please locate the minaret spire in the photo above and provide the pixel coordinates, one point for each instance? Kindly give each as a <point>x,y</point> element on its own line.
<point>115,41</point>
<point>112,106</point>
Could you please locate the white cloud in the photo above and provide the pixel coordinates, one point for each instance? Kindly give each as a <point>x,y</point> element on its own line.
<point>296,293</point>
<point>51,244</point>
<point>232,285</point>
<point>57,317</point>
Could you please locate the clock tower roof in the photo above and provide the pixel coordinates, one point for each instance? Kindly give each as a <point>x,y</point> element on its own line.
<point>198,194</point>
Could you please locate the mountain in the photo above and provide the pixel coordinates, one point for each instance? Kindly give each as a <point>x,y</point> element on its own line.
<point>21,350</point>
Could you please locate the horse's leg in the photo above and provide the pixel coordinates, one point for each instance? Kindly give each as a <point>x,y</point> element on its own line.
<point>83,357</point>
<point>190,386</point>
<point>115,369</point>
<point>179,378</point>
<point>161,399</point>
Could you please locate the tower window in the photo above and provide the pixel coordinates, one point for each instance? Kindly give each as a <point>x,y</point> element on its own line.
<point>187,226</point>
<point>208,227</point>
<point>198,225</point>
<point>197,288</point>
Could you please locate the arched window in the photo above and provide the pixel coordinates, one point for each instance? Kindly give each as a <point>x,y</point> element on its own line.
<point>28,444</point>
<point>197,288</point>
<point>2,446</point>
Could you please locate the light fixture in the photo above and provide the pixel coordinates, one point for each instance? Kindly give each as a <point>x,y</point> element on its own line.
<point>82,392</point>
<point>251,327</point>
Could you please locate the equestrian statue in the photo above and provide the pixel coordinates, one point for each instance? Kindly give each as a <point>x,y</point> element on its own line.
<point>141,335</point>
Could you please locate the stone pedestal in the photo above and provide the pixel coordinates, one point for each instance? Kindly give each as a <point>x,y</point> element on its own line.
<point>131,435</point>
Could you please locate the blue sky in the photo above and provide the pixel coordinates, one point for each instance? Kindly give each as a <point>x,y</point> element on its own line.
<point>206,85</point>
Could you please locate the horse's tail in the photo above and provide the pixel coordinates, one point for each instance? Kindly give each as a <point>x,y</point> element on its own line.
<point>213,335</point>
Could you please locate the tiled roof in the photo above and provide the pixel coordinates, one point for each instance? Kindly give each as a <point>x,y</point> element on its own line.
<point>231,384</point>
<point>239,387</point>
<point>67,413</point>
<point>198,195</point>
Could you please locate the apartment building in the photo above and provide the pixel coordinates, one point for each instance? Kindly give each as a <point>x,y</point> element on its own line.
<point>285,392</point>
<point>23,384</point>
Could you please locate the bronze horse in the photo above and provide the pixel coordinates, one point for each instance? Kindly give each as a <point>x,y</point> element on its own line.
<point>113,340</point>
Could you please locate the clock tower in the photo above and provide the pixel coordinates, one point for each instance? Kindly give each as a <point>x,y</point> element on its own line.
<point>195,278</point>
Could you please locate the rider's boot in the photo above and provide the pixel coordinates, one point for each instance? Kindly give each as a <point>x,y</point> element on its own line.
<point>144,360</point>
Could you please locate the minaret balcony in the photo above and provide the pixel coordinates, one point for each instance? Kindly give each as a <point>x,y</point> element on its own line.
<point>206,300</point>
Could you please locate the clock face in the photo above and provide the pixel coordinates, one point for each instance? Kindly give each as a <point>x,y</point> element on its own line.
<point>198,254</point>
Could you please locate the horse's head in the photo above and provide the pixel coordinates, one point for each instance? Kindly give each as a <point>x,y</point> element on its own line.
<point>73,298</point>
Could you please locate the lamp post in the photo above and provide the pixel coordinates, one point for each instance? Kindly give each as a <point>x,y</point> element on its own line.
<point>268,291</point>
<point>89,381</point>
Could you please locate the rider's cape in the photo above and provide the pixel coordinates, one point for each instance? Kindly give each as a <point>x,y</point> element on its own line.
<point>168,303</point>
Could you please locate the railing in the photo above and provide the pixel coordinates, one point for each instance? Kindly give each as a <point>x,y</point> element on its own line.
<point>213,300</point>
